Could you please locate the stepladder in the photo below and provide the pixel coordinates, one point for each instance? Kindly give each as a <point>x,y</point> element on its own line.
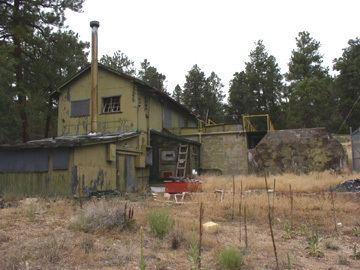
<point>182,160</point>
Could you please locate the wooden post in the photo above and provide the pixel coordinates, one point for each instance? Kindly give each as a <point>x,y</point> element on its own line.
<point>201,214</point>
<point>270,224</point>
<point>333,209</point>
<point>240,208</point>
<point>233,197</point>
<point>245,224</point>
<point>291,208</point>
<point>273,203</point>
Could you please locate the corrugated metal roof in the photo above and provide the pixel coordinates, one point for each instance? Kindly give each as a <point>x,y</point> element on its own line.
<point>71,141</point>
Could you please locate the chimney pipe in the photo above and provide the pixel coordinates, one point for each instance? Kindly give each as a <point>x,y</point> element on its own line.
<point>94,75</point>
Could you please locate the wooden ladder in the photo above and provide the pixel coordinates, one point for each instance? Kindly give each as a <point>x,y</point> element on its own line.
<point>182,160</point>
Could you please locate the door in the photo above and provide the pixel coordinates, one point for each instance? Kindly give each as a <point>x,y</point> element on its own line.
<point>125,173</point>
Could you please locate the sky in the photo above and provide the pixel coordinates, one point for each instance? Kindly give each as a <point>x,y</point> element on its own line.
<point>216,35</point>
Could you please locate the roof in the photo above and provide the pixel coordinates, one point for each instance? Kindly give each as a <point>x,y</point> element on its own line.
<point>149,88</point>
<point>173,137</point>
<point>72,141</point>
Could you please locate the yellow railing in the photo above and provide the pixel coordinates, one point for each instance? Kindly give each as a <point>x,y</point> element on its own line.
<point>249,125</point>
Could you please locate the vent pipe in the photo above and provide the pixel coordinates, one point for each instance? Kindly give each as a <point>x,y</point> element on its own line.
<point>94,75</point>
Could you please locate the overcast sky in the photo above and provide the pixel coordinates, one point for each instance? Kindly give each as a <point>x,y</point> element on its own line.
<point>217,35</point>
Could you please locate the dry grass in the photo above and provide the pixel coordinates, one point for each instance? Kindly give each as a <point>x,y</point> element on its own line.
<point>313,182</point>
<point>37,235</point>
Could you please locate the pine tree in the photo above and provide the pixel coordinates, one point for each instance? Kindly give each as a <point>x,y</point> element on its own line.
<point>150,75</point>
<point>203,95</point>
<point>177,93</point>
<point>120,62</point>
<point>347,85</point>
<point>21,21</point>
<point>258,89</point>
<point>311,96</point>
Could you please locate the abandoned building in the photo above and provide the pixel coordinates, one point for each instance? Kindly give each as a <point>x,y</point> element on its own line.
<point>116,132</point>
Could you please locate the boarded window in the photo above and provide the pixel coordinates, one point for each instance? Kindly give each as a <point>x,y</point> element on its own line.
<point>27,160</point>
<point>80,108</point>
<point>111,104</point>
<point>167,118</point>
<point>60,158</point>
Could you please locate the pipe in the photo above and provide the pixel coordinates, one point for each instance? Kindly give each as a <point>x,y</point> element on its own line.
<point>94,75</point>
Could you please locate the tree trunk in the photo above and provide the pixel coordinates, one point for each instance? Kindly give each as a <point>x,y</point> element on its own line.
<point>19,73</point>
<point>48,118</point>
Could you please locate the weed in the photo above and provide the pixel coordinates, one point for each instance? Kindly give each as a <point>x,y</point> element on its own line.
<point>102,217</point>
<point>289,264</point>
<point>356,231</point>
<point>87,243</point>
<point>230,258</point>
<point>343,260</point>
<point>142,263</point>
<point>314,247</point>
<point>176,239</point>
<point>304,230</point>
<point>52,249</point>
<point>356,253</point>
<point>289,233</point>
<point>30,212</point>
<point>194,256</point>
<point>332,245</point>
<point>3,237</point>
<point>160,222</point>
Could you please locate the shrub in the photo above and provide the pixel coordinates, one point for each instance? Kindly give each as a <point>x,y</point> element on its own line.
<point>331,244</point>
<point>160,222</point>
<point>194,256</point>
<point>102,217</point>
<point>230,258</point>
<point>356,231</point>
<point>313,246</point>
<point>87,243</point>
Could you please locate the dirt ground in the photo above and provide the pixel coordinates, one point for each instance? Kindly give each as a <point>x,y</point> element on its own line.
<point>40,233</point>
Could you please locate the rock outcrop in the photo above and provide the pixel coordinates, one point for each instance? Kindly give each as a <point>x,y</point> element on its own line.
<point>297,151</point>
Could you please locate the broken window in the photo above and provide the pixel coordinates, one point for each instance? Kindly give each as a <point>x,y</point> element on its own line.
<point>111,104</point>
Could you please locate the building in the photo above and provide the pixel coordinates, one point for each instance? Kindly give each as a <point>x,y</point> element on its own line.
<point>117,132</point>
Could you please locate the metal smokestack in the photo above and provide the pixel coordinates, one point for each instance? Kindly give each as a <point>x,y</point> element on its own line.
<point>94,75</point>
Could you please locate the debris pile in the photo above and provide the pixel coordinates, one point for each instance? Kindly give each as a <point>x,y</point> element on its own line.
<point>349,186</point>
<point>297,151</point>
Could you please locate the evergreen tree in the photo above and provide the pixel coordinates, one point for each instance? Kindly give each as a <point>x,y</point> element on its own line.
<point>120,62</point>
<point>311,96</point>
<point>177,93</point>
<point>203,95</point>
<point>151,76</point>
<point>241,99</point>
<point>306,61</point>
<point>56,57</point>
<point>258,89</point>
<point>347,85</point>
<point>21,21</point>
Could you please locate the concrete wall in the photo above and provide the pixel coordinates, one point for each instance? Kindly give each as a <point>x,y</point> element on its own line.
<point>224,153</point>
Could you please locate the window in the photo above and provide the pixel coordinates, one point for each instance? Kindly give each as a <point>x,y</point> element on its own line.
<point>80,108</point>
<point>111,104</point>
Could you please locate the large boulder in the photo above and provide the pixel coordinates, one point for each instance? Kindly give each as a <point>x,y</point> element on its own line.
<point>297,151</point>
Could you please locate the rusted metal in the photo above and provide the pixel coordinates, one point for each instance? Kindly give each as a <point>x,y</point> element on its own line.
<point>94,75</point>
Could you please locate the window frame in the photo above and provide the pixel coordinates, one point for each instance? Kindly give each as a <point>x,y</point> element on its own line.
<point>103,104</point>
